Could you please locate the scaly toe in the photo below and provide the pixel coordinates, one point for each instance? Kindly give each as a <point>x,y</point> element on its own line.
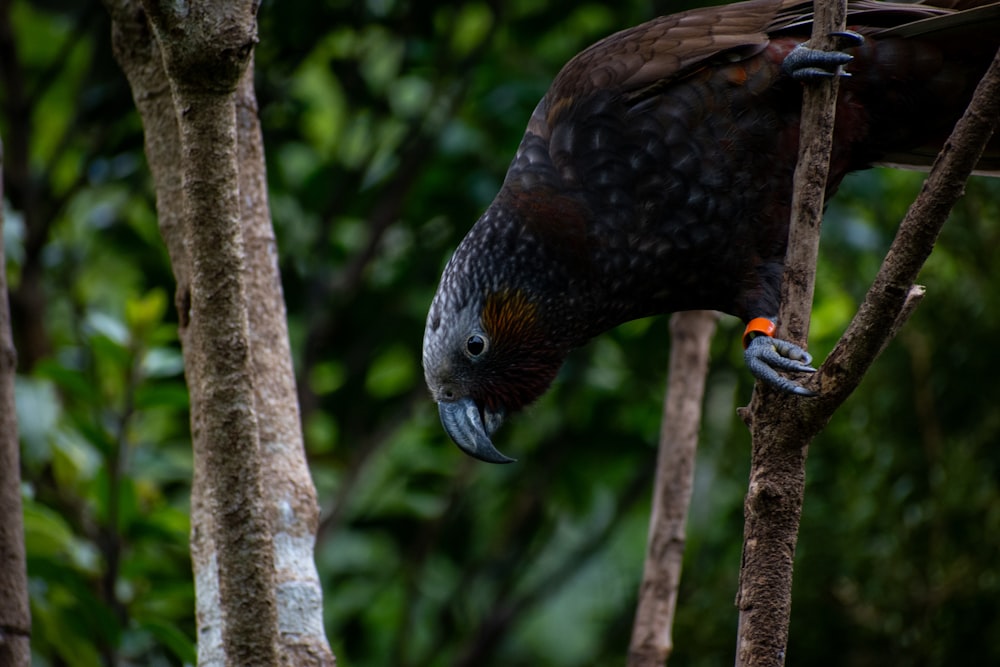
<point>765,356</point>
<point>808,64</point>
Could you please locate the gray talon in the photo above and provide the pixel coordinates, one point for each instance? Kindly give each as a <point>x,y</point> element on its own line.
<point>813,74</point>
<point>793,355</point>
<point>765,356</point>
<point>808,64</point>
<point>848,38</point>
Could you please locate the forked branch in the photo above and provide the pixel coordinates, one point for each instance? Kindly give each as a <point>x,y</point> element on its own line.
<point>783,426</point>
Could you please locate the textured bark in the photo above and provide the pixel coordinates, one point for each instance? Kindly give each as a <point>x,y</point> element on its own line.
<point>258,594</point>
<point>773,504</point>
<point>15,613</point>
<point>782,426</point>
<point>289,492</point>
<point>205,54</point>
<point>691,336</point>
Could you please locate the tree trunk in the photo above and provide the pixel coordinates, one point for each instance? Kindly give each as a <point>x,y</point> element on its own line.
<point>258,594</point>
<point>15,612</point>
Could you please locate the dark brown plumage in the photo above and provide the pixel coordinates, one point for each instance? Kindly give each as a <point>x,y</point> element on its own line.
<point>655,176</point>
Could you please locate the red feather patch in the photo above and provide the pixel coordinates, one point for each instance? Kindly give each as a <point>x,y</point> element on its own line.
<point>510,316</point>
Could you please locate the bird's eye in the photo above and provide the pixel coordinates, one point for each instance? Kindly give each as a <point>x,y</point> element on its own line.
<point>476,345</point>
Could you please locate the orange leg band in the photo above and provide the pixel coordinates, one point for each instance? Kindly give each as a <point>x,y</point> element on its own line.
<point>758,326</point>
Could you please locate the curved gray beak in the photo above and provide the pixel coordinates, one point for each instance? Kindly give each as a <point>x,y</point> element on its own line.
<point>464,423</point>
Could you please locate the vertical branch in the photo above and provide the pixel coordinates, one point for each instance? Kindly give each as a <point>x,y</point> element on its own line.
<point>816,141</point>
<point>226,437</point>
<point>691,335</point>
<point>773,504</point>
<point>15,613</point>
<point>289,493</point>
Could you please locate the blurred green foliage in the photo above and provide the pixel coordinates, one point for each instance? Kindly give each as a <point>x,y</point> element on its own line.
<point>389,125</point>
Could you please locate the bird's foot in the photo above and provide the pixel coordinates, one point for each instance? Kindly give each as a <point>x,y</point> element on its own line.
<point>766,355</point>
<point>805,63</point>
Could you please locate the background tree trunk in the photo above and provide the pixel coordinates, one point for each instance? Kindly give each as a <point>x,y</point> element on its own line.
<point>15,614</point>
<point>257,588</point>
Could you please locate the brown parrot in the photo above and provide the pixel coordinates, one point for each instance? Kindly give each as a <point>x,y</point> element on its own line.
<point>656,176</point>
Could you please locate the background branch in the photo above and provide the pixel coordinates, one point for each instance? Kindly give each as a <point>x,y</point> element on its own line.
<point>691,336</point>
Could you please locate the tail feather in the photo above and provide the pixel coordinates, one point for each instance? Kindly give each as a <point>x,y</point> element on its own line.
<point>971,33</point>
<point>988,165</point>
<point>975,22</point>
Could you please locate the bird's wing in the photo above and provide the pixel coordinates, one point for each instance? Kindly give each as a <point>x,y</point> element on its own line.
<point>660,49</point>
<point>666,46</point>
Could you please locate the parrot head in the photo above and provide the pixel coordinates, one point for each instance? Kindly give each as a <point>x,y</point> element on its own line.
<point>485,358</point>
<point>492,343</point>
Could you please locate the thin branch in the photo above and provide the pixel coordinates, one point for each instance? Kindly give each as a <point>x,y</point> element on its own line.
<point>890,292</point>
<point>691,336</point>
<point>289,493</point>
<point>773,504</point>
<point>816,132</point>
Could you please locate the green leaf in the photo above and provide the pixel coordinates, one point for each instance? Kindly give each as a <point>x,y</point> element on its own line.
<point>48,536</point>
<point>171,636</point>
<point>471,27</point>
<point>321,432</point>
<point>392,373</point>
<point>162,362</point>
<point>143,313</point>
<point>110,327</point>
<point>38,410</point>
<point>327,377</point>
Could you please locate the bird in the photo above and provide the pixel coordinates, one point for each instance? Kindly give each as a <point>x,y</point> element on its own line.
<point>655,176</point>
